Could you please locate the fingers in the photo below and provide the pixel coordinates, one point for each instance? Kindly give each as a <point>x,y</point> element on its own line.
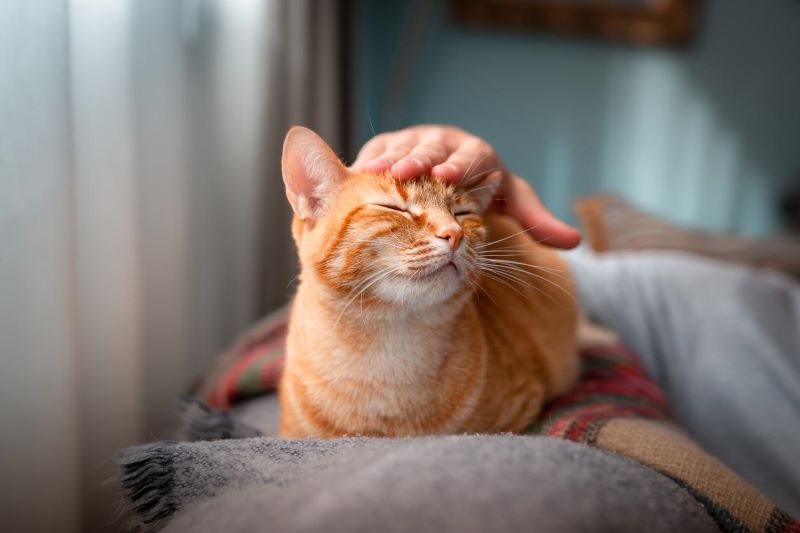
<point>519,201</point>
<point>471,161</point>
<point>431,150</point>
<point>371,150</point>
<point>384,150</point>
<point>411,152</point>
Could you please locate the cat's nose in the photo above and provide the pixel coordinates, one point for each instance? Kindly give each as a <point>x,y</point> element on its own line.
<point>452,234</point>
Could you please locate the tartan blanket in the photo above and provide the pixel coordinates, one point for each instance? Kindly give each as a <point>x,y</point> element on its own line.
<point>615,407</point>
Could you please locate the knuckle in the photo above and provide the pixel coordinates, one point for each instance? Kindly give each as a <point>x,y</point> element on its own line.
<point>455,130</point>
<point>480,145</point>
<point>431,150</point>
<point>382,138</point>
<point>402,147</point>
<point>461,157</point>
<point>372,147</point>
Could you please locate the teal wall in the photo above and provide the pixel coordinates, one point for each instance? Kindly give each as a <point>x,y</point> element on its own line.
<point>706,136</point>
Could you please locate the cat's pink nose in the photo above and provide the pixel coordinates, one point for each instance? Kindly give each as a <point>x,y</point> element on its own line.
<point>452,234</point>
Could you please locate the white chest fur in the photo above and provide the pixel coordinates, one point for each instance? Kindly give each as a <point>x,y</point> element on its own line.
<point>394,354</point>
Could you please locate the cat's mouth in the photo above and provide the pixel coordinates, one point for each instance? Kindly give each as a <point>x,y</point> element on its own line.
<point>427,274</point>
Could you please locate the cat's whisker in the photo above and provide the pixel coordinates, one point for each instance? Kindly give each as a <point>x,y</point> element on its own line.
<point>504,259</point>
<point>540,241</point>
<point>521,253</point>
<point>469,167</point>
<point>521,270</point>
<point>514,279</point>
<point>369,118</point>
<point>467,177</point>
<point>426,259</point>
<point>406,286</point>
<point>496,260</point>
<point>475,285</point>
<point>372,281</point>
<point>395,243</point>
<point>499,269</point>
<point>522,266</point>
<point>507,273</point>
<point>481,174</point>
<point>542,278</point>
<point>515,249</point>
<point>498,279</point>
<point>360,293</point>
<point>482,187</point>
<point>369,278</point>
<point>372,276</point>
<point>507,246</point>
<point>419,250</point>
<point>481,246</point>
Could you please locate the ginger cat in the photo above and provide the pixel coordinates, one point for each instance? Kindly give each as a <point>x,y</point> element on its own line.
<point>416,314</point>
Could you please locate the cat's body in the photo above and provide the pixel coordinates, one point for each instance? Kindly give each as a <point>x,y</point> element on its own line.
<point>399,328</point>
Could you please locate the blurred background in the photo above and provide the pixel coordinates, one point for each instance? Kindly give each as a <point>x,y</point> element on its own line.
<point>143,222</point>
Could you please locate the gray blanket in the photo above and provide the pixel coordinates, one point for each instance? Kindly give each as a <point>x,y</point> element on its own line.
<point>723,341</point>
<point>455,483</point>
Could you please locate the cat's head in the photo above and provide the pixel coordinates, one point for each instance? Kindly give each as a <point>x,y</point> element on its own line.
<point>374,239</point>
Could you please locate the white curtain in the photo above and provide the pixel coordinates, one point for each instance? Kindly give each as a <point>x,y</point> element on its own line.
<point>142,219</point>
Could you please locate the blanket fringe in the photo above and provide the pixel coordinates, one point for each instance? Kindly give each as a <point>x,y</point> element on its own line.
<point>147,475</point>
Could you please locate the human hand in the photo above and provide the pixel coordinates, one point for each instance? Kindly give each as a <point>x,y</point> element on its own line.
<point>455,156</point>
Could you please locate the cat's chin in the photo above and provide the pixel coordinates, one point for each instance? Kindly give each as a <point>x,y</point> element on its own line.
<point>421,291</point>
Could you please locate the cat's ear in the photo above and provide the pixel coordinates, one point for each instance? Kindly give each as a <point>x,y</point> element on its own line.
<point>482,192</point>
<point>310,169</point>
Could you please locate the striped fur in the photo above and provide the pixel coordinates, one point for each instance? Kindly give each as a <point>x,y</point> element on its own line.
<point>397,328</point>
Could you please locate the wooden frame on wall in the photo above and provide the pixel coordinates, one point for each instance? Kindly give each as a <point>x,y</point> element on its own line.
<point>643,22</point>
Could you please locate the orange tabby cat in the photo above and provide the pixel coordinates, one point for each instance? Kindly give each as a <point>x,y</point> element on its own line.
<point>416,314</point>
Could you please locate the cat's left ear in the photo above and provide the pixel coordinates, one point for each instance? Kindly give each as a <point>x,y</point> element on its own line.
<point>482,192</point>
<point>310,170</point>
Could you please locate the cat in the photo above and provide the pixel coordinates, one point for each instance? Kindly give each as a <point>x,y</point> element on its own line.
<point>417,312</point>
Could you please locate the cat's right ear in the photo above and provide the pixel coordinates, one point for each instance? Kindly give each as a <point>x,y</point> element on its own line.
<point>310,169</point>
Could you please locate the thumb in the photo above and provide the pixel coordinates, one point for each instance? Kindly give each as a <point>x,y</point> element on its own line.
<point>521,202</point>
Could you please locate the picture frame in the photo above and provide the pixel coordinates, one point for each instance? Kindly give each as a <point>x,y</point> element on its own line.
<point>639,22</point>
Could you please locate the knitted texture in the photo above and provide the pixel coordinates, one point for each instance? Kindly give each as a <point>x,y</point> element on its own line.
<point>436,484</point>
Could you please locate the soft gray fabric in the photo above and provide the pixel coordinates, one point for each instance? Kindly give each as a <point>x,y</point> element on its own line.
<point>724,342</point>
<point>262,413</point>
<point>202,422</point>
<point>453,483</point>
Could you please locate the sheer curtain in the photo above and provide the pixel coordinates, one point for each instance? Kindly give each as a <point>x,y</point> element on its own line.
<point>142,218</point>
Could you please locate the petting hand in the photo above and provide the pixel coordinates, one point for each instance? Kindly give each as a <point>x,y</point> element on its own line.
<point>454,155</point>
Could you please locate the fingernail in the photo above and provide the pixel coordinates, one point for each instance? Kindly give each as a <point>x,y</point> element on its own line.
<point>446,166</point>
<point>414,160</point>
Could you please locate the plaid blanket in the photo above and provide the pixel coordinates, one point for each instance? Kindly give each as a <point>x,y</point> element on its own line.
<point>615,407</point>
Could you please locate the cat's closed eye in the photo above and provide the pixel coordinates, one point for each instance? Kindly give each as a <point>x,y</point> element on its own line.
<point>391,207</point>
<point>463,213</point>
